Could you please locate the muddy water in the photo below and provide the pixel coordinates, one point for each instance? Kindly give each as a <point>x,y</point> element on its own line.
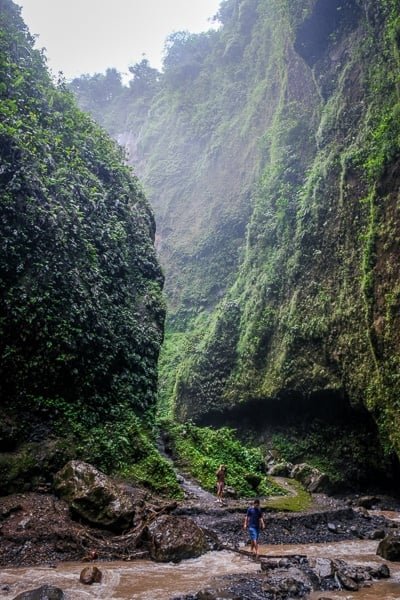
<point>141,580</point>
<point>360,552</point>
<point>145,580</point>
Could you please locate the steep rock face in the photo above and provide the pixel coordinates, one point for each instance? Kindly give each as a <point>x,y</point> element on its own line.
<point>81,313</point>
<point>270,149</point>
<point>315,305</point>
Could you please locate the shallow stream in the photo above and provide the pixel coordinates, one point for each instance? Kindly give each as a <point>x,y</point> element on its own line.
<point>146,580</point>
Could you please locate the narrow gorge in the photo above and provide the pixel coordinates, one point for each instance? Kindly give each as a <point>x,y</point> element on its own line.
<point>269,149</point>
<point>200,267</point>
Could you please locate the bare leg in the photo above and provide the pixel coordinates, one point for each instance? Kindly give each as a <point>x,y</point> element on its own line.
<point>220,492</point>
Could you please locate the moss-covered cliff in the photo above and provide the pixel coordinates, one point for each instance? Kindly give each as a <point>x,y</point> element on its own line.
<point>270,149</point>
<point>81,312</point>
<point>315,306</point>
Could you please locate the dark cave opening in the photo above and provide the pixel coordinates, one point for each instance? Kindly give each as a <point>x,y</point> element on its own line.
<point>288,409</point>
<point>317,31</point>
<point>322,427</point>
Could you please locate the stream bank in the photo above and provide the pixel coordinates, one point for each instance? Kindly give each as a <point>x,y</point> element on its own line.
<point>44,541</point>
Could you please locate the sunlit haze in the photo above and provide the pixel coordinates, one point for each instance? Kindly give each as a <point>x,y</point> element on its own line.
<point>88,36</point>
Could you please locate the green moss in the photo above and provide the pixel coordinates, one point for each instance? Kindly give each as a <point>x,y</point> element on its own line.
<point>275,191</point>
<point>300,500</point>
<point>15,469</point>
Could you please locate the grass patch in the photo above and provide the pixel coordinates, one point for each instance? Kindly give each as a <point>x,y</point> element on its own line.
<point>297,503</point>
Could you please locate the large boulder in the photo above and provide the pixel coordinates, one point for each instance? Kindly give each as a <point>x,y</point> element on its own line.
<point>281,469</point>
<point>389,547</point>
<point>322,567</point>
<point>95,497</point>
<point>172,538</point>
<point>311,478</point>
<point>45,592</point>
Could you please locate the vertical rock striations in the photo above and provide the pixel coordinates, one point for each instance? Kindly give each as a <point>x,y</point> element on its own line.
<point>270,149</point>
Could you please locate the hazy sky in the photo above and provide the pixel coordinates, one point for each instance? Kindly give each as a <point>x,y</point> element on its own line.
<point>87,36</point>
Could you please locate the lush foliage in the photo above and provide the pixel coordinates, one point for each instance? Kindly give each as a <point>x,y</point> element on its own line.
<point>271,153</point>
<point>201,450</point>
<point>81,312</point>
<point>317,293</point>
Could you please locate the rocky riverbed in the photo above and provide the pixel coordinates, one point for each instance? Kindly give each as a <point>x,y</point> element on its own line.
<point>37,529</point>
<point>47,530</point>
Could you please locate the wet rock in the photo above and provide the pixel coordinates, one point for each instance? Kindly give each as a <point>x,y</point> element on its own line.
<point>377,534</point>
<point>312,479</point>
<point>322,567</point>
<point>209,594</point>
<point>332,527</point>
<point>389,547</point>
<point>90,575</point>
<point>366,501</point>
<point>320,483</point>
<point>381,572</point>
<point>364,513</point>
<point>91,555</point>
<point>230,492</point>
<point>347,582</point>
<point>292,586</point>
<point>269,563</point>
<point>275,563</point>
<point>45,592</point>
<point>360,574</point>
<point>172,538</point>
<point>291,581</point>
<point>94,496</point>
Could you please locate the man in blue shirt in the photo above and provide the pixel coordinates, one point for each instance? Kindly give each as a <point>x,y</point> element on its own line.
<point>253,521</point>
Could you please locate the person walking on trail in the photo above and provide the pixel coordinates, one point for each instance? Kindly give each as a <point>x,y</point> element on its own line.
<point>221,474</point>
<point>253,521</point>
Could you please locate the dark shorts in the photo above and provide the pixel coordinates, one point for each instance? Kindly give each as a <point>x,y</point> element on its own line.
<point>254,534</point>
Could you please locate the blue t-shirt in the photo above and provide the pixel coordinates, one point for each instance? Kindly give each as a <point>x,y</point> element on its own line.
<point>254,515</point>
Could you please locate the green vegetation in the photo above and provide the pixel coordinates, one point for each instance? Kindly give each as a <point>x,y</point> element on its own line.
<point>201,450</point>
<point>299,500</point>
<point>348,453</point>
<point>270,151</point>
<point>81,308</point>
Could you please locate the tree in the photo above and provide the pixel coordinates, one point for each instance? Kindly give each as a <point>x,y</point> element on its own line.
<point>145,79</point>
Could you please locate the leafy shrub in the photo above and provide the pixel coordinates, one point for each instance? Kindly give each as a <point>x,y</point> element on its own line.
<point>200,450</point>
